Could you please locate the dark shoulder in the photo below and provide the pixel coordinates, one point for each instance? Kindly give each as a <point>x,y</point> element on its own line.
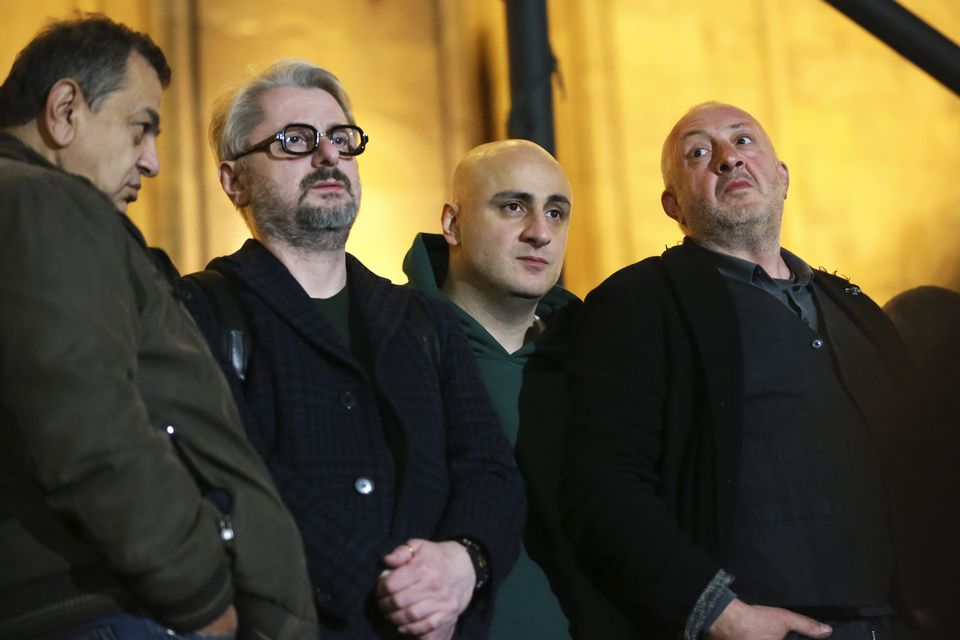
<point>635,280</point>
<point>417,302</point>
<point>40,187</point>
<point>841,287</point>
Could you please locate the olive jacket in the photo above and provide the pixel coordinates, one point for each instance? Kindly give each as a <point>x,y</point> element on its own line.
<point>126,482</point>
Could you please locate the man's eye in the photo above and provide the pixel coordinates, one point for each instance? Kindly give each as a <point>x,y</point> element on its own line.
<point>141,130</point>
<point>555,214</point>
<point>699,152</point>
<point>294,139</point>
<point>744,139</point>
<point>513,207</point>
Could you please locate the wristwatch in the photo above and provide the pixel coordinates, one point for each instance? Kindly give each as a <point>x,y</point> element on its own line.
<point>481,567</point>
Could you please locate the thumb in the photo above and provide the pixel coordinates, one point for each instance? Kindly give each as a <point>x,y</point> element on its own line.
<point>403,553</point>
<point>807,626</point>
<point>398,557</point>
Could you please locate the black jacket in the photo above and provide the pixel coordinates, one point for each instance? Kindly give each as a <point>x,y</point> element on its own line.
<point>312,412</point>
<point>653,450</point>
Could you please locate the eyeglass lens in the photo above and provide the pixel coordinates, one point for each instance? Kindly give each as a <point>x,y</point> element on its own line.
<point>302,139</point>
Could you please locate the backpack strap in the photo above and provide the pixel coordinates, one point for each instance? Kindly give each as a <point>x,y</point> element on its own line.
<point>235,331</point>
<point>426,329</point>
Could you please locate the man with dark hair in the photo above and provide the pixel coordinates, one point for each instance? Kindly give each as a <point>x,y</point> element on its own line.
<point>362,396</point>
<point>131,505</point>
<point>733,410</point>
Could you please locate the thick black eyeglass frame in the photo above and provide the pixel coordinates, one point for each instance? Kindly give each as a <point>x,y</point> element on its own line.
<point>281,137</point>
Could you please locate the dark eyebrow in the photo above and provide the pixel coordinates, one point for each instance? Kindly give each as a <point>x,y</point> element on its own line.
<point>527,198</point>
<point>523,196</point>
<point>154,120</point>
<point>559,198</point>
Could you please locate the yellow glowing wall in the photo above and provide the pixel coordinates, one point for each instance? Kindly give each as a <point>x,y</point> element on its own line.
<point>873,144</point>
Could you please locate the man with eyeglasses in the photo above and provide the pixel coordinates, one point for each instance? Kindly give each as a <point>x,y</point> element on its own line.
<point>362,397</point>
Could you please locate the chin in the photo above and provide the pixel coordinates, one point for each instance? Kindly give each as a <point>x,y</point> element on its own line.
<point>530,293</point>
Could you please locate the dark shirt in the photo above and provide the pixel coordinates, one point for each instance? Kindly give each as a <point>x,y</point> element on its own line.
<point>795,293</point>
<point>336,311</point>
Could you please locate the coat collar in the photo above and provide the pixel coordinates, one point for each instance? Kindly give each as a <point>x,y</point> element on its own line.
<point>380,306</point>
<point>426,265</point>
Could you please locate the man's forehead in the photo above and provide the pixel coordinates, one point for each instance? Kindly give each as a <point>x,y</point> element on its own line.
<point>285,105</point>
<point>141,88</point>
<point>710,119</point>
<point>519,170</point>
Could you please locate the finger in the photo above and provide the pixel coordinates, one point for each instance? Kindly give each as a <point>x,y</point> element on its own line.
<point>415,613</point>
<point>807,626</point>
<point>425,625</point>
<point>400,617</point>
<point>400,556</point>
<point>404,600</point>
<point>398,580</point>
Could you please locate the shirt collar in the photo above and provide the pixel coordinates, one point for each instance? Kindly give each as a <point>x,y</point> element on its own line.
<point>752,273</point>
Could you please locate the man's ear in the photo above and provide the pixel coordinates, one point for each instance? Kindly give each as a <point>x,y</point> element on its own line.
<point>450,222</point>
<point>233,184</point>
<point>60,114</point>
<point>668,200</point>
<point>785,176</point>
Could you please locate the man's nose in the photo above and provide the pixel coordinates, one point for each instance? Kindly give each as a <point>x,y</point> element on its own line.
<point>537,232</point>
<point>727,159</point>
<point>148,164</point>
<point>326,153</point>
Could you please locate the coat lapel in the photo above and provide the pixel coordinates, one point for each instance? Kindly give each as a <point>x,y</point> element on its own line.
<point>712,323</point>
<point>266,277</point>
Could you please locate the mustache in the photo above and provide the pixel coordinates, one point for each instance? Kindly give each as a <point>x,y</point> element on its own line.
<point>324,174</point>
<point>736,175</point>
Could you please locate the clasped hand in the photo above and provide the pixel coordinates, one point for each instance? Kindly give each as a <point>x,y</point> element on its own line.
<point>425,587</point>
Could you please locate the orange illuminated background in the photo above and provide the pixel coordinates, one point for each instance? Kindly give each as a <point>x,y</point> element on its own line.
<point>873,143</point>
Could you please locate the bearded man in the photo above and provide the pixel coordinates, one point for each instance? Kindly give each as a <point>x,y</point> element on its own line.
<point>728,458</point>
<point>362,397</point>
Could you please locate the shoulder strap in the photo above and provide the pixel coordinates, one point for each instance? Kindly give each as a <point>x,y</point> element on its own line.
<point>426,329</point>
<point>235,332</point>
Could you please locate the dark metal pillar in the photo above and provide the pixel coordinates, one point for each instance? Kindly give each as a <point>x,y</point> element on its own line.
<point>531,70</point>
<point>908,35</point>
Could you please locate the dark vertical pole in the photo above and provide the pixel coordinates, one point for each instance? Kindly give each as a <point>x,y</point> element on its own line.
<point>531,71</point>
<point>908,35</point>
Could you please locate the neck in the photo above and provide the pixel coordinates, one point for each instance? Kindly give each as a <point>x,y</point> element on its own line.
<point>509,319</point>
<point>30,135</point>
<point>322,274</point>
<point>767,255</point>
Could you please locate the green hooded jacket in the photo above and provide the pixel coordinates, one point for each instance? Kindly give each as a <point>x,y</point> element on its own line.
<point>528,392</point>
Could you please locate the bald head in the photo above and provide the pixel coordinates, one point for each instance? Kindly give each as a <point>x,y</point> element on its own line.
<point>506,224</point>
<point>690,124</point>
<point>723,182</point>
<point>504,161</point>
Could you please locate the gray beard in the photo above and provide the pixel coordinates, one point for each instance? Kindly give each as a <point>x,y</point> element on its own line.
<point>745,228</point>
<point>301,226</point>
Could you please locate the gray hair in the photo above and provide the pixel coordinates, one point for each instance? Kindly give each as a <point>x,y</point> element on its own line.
<point>237,113</point>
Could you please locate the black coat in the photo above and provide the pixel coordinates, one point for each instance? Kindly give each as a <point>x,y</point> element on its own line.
<point>312,411</point>
<point>656,382</point>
